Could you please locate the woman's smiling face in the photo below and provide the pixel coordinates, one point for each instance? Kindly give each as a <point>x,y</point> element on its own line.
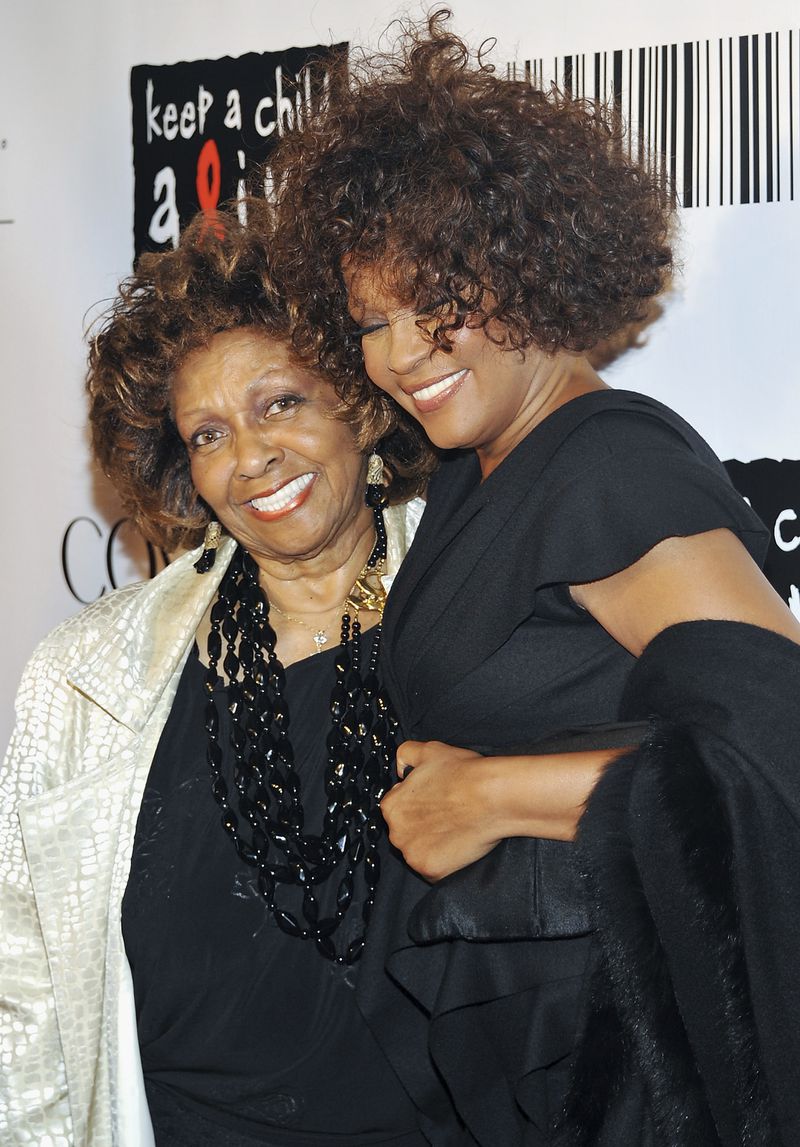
<point>281,473</point>
<point>477,395</point>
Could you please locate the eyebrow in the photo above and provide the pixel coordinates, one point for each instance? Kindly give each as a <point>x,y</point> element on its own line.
<point>248,388</point>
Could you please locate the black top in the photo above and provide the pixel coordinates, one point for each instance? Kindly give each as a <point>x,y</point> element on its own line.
<point>484,646</point>
<point>246,1034</point>
<point>485,649</point>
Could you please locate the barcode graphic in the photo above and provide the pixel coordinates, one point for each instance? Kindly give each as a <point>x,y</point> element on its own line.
<point>720,119</point>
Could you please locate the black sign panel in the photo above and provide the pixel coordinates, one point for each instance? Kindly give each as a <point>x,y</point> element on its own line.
<point>200,128</point>
<point>773,490</point>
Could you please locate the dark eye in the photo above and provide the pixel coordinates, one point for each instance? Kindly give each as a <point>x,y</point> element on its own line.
<point>282,402</point>
<point>203,438</point>
<point>368,329</point>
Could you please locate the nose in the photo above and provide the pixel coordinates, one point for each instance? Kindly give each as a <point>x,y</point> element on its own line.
<point>409,347</point>
<point>256,450</point>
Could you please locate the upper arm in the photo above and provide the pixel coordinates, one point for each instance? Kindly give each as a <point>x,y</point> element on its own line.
<point>707,576</point>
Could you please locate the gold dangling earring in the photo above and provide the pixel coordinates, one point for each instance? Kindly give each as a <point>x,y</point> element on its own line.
<point>375,495</point>
<point>213,536</point>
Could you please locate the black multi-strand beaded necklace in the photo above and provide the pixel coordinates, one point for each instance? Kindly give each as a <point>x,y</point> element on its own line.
<point>267,827</point>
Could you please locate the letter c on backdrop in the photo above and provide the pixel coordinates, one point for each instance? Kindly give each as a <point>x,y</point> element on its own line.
<point>787,545</point>
<point>67,562</point>
<point>81,555</point>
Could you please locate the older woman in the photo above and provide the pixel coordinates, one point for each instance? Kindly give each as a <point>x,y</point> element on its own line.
<point>191,840</point>
<point>463,242</point>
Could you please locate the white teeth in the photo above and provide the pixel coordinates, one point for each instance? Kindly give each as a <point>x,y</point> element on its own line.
<point>437,388</point>
<point>281,498</point>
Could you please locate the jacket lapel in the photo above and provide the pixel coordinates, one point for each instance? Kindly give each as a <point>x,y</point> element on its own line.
<point>125,671</point>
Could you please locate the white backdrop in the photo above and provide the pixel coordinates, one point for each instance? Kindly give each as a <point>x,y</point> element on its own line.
<point>724,354</point>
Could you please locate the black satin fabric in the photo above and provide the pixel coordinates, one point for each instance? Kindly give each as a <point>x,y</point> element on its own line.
<point>180,1123</point>
<point>504,896</point>
<point>485,649</point>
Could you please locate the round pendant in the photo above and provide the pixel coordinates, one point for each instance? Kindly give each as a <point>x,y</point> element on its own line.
<point>320,639</point>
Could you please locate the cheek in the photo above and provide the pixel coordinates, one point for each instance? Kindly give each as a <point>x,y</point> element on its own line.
<point>375,366</point>
<point>348,471</point>
<point>195,472</point>
<point>205,479</point>
<point>471,343</point>
<point>340,459</point>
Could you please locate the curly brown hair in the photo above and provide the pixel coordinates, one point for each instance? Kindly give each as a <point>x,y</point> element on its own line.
<point>220,277</point>
<point>475,196</point>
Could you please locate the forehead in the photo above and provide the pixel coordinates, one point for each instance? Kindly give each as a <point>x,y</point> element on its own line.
<point>236,349</point>
<point>232,363</point>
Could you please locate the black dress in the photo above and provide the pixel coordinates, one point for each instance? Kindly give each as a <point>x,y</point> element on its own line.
<point>485,649</point>
<point>248,1036</point>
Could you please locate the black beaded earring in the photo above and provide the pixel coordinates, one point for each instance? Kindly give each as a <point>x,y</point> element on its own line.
<point>211,541</point>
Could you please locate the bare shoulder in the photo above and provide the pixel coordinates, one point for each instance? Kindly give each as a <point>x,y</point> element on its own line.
<point>708,576</point>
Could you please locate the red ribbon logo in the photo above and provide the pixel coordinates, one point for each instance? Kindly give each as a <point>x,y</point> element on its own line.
<point>209,185</point>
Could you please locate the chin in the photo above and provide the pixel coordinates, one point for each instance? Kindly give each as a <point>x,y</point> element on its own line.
<point>449,438</point>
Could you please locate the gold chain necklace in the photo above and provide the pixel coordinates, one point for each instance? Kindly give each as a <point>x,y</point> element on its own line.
<point>318,636</point>
<point>367,593</point>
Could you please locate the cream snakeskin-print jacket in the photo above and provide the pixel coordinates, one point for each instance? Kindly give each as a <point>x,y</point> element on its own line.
<point>90,710</point>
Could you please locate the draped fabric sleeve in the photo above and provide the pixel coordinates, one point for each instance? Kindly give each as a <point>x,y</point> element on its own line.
<point>623,481</point>
<point>691,849</point>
